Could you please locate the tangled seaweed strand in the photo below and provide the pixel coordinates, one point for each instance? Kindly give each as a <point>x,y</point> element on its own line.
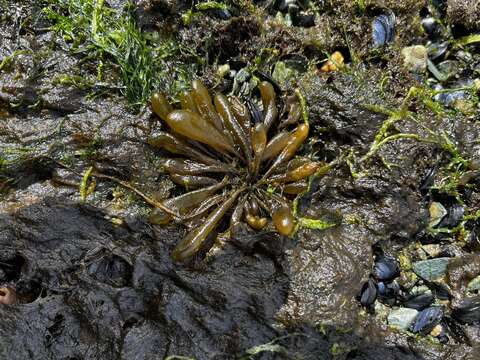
<point>239,159</point>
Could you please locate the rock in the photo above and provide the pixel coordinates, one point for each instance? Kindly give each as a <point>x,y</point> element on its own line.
<point>402,318</point>
<point>468,310</point>
<point>430,250</point>
<point>415,58</point>
<point>464,12</point>
<point>474,285</point>
<point>431,269</point>
<point>460,272</point>
<point>437,213</point>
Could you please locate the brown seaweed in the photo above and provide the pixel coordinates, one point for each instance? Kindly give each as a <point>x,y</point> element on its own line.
<point>232,153</point>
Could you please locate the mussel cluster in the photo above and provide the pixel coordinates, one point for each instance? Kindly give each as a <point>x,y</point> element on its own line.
<point>426,307</point>
<point>381,285</point>
<point>232,158</point>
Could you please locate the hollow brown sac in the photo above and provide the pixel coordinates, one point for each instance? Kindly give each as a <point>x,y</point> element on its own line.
<point>231,162</point>
<point>8,296</point>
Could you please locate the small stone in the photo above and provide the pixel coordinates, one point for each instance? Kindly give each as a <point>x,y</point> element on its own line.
<point>431,269</point>
<point>415,58</point>
<point>432,250</point>
<point>416,290</point>
<point>474,285</point>
<point>437,213</point>
<point>402,318</point>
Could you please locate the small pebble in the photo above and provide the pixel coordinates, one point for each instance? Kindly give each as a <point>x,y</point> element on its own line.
<point>431,269</point>
<point>402,318</point>
<point>474,284</point>
<point>437,213</point>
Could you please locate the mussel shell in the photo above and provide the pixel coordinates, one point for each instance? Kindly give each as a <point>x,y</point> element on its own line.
<point>433,28</point>
<point>386,268</point>
<point>302,19</point>
<point>453,218</point>
<point>222,14</point>
<point>473,239</point>
<point>443,337</point>
<point>440,291</point>
<point>427,180</point>
<point>449,68</point>
<point>268,78</point>
<point>368,293</point>
<point>445,70</point>
<point>429,24</point>
<point>283,5</point>
<point>449,97</point>
<point>468,311</point>
<point>440,6</point>
<point>390,289</point>
<point>255,113</point>
<point>419,301</point>
<point>427,319</point>
<point>425,237</point>
<point>388,293</point>
<point>435,50</point>
<point>383,29</point>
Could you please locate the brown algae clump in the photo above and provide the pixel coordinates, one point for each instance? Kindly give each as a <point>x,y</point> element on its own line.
<point>232,159</point>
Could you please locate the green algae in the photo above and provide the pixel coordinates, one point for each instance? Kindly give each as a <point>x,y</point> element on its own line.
<point>112,40</point>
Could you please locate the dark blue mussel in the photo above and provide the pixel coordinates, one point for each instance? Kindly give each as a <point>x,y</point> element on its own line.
<point>433,28</point>
<point>453,218</point>
<point>436,50</point>
<point>429,24</point>
<point>427,319</point>
<point>368,294</point>
<point>388,292</point>
<point>386,268</point>
<point>388,289</point>
<point>222,14</point>
<point>449,97</point>
<point>254,111</point>
<point>473,239</point>
<point>383,29</point>
<point>468,311</point>
<point>419,301</point>
<point>443,337</point>
<point>440,291</point>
